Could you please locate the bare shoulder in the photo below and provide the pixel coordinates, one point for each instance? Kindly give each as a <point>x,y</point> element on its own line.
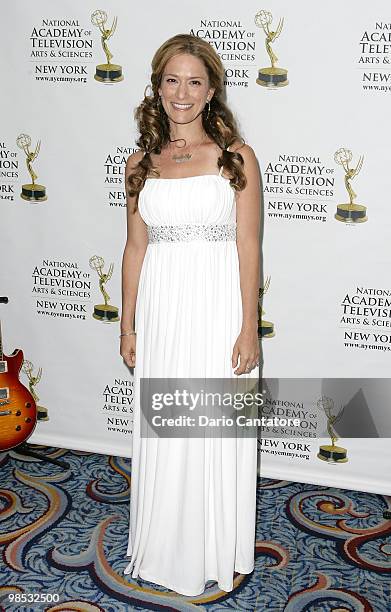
<point>133,160</point>
<point>245,151</point>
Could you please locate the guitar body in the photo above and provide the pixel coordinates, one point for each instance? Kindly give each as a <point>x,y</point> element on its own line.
<point>18,411</point>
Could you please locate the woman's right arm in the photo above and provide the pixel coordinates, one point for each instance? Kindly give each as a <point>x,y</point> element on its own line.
<point>132,260</point>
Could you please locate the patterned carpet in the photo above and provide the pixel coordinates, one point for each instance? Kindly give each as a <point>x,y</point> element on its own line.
<point>319,549</point>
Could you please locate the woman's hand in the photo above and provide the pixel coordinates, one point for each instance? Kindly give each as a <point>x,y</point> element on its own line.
<point>247,347</point>
<point>128,350</point>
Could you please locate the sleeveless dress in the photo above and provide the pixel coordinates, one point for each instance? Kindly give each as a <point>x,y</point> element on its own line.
<point>193,500</point>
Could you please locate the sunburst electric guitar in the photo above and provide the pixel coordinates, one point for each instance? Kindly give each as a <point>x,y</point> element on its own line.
<point>18,411</point>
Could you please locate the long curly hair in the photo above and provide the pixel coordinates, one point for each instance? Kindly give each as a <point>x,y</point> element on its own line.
<point>218,123</point>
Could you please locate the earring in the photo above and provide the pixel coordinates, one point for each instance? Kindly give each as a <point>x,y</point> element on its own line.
<point>159,105</point>
<point>207,115</point>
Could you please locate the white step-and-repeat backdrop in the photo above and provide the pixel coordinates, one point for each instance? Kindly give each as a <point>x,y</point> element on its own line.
<point>321,135</point>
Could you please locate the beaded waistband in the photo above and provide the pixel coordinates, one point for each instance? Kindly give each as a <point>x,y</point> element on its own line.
<point>187,232</point>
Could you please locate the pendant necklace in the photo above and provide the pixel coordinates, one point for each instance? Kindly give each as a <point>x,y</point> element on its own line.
<point>184,157</point>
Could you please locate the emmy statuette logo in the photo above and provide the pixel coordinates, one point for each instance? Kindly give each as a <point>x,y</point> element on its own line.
<point>330,452</point>
<point>103,312</point>
<point>265,328</point>
<point>351,212</point>
<point>32,192</point>
<point>271,77</point>
<point>106,73</point>
<point>42,413</point>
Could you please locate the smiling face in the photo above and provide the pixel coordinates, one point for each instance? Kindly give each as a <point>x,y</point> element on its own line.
<point>185,88</point>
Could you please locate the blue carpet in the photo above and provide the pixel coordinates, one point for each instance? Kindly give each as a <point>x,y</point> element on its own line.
<point>64,533</point>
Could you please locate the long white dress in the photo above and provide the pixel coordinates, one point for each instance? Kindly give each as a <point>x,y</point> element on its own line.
<point>193,500</point>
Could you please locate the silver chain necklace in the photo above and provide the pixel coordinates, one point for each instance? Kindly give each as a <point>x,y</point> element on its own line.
<point>184,157</point>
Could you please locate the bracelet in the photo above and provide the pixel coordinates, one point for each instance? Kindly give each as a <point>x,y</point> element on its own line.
<point>131,333</point>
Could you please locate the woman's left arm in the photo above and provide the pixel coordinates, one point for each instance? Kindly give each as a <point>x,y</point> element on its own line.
<point>247,239</point>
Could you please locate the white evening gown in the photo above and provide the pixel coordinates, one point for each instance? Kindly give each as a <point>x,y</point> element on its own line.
<point>193,500</point>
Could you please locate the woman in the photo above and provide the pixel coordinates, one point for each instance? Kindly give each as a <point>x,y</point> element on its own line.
<point>190,309</point>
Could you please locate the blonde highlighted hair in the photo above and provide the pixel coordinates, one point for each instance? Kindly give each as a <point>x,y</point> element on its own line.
<point>153,124</point>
